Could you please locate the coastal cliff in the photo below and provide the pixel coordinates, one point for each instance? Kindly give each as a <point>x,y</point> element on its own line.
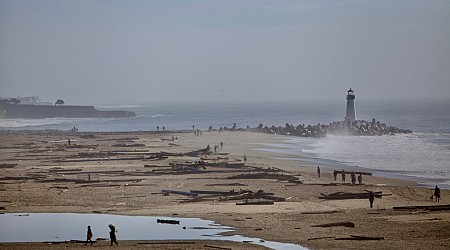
<point>48,111</point>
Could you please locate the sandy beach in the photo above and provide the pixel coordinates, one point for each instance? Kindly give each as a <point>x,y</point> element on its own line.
<point>125,173</point>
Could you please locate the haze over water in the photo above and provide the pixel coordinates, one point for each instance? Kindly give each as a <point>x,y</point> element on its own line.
<point>422,155</point>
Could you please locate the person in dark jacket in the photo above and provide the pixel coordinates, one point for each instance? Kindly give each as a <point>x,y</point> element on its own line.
<point>437,193</point>
<point>89,235</point>
<point>371,198</point>
<point>112,234</point>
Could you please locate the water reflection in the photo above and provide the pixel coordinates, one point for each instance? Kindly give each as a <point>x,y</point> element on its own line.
<point>41,227</point>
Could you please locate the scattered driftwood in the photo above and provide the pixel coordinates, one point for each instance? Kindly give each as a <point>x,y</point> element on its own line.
<point>128,145</point>
<point>256,202</point>
<point>162,221</point>
<point>15,178</point>
<point>224,248</point>
<point>197,153</point>
<point>336,224</point>
<point>231,192</point>
<point>57,170</point>
<point>196,199</point>
<point>167,243</point>
<point>8,165</point>
<point>225,184</point>
<point>82,241</point>
<point>430,208</point>
<point>260,194</point>
<point>266,175</point>
<point>345,196</point>
<point>168,191</point>
<point>356,237</point>
<point>320,238</point>
<point>323,212</point>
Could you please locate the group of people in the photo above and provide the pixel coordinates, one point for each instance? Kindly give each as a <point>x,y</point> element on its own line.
<point>343,174</point>
<point>112,234</point>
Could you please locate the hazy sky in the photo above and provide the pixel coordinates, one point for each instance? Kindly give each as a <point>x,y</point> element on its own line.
<point>134,52</point>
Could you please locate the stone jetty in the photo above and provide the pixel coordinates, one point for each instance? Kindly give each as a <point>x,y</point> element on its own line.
<point>355,128</point>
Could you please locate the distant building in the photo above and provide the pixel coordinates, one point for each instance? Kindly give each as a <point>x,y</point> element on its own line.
<point>29,99</point>
<point>350,115</point>
<point>32,100</point>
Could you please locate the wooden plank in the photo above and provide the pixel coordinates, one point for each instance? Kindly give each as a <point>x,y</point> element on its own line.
<point>356,237</point>
<point>431,208</point>
<point>336,224</point>
<point>168,191</point>
<point>256,202</point>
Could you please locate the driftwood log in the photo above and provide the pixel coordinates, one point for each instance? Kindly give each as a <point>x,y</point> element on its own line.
<point>255,202</point>
<point>336,224</point>
<point>345,196</point>
<point>430,208</point>
<point>356,237</point>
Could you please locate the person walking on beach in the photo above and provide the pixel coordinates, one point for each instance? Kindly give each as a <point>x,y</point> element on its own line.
<point>318,171</point>
<point>359,178</point>
<point>112,234</point>
<point>89,235</point>
<point>221,144</point>
<point>343,176</point>
<point>353,178</point>
<point>245,158</point>
<point>371,198</point>
<point>437,193</point>
<point>335,174</point>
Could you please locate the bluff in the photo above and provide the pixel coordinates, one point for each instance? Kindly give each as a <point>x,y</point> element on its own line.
<point>66,111</point>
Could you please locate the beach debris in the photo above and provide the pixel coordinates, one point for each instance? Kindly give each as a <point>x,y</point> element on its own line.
<point>215,247</point>
<point>128,145</point>
<point>256,202</point>
<point>8,165</point>
<point>266,175</point>
<point>320,238</point>
<point>356,237</point>
<point>225,184</point>
<point>168,191</point>
<point>336,224</point>
<point>346,196</point>
<point>247,194</point>
<point>429,208</point>
<point>323,212</point>
<point>167,243</point>
<point>163,221</point>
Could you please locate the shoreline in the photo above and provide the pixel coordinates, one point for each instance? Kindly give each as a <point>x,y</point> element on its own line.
<point>283,149</point>
<point>45,181</point>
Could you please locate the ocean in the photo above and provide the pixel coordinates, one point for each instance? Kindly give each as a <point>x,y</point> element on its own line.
<point>422,156</point>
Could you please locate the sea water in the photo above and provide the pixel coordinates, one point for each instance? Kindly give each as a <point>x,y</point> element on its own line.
<point>60,227</point>
<point>423,156</point>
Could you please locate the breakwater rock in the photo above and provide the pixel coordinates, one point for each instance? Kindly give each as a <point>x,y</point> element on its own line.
<point>356,128</point>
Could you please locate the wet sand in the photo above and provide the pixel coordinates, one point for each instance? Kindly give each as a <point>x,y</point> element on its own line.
<point>128,171</point>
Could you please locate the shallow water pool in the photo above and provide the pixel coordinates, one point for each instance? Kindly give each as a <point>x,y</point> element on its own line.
<point>43,227</point>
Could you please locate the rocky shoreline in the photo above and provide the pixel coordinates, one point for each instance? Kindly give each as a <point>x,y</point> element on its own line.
<point>356,128</point>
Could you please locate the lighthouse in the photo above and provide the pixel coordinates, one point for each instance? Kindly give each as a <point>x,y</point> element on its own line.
<point>350,115</point>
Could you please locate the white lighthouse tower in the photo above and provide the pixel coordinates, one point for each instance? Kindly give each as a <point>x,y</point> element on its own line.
<point>350,115</point>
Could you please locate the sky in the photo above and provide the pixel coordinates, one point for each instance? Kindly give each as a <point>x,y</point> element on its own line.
<point>102,52</point>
